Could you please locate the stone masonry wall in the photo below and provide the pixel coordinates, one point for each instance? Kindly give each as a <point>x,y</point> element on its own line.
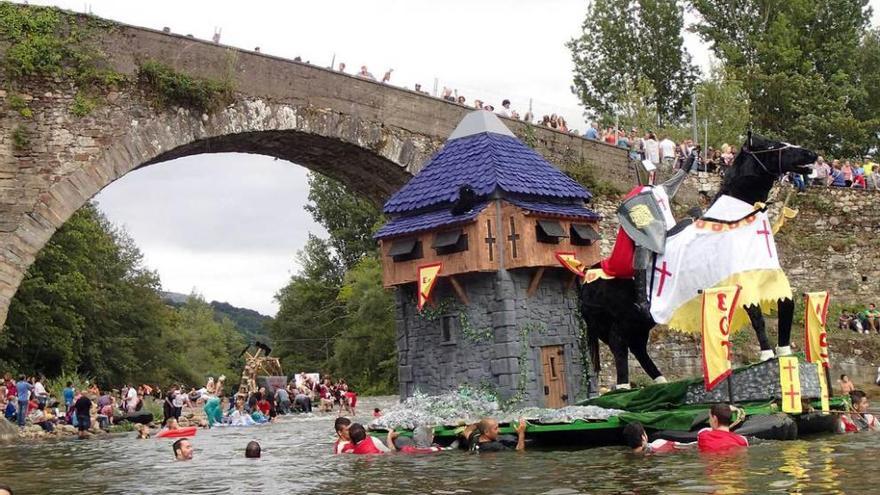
<point>498,344</point>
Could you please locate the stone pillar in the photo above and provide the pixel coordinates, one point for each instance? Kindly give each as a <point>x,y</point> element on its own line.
<point>505,351</point>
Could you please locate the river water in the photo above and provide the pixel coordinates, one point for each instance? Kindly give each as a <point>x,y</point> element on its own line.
<point>297,459</point>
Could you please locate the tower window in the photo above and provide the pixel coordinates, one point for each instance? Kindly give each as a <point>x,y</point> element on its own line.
<point>406,249</point>
<point>549,231</point>
<point>583,235</point>
<point>452,241</point>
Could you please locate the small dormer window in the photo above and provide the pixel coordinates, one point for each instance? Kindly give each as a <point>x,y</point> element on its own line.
<point>549,231</point>
<point>451,241</point>
<point>583,235</point>
<point>406,249</point>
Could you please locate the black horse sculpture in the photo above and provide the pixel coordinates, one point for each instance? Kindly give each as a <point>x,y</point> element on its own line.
<point>608,306</point>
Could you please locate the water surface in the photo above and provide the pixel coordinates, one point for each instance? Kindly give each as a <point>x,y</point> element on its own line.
<point>297,459</point>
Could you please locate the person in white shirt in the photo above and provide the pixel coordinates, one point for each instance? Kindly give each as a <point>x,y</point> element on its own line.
<point>667,154</point>
<point>505,109</point>
<point>40,392</point>
<point>652,149</point>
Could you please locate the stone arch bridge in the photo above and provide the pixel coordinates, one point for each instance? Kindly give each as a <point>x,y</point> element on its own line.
<point>368,135</point>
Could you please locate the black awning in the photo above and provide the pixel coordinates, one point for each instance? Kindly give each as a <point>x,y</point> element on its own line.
<point>402,247</point>
<point>584,232</point>
<point>446,239</point>
<point>551,228</point>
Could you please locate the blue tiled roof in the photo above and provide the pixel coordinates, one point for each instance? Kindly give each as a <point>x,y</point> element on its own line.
<point>564,210</point>
<point>486,161</point>
<point>426,221</point>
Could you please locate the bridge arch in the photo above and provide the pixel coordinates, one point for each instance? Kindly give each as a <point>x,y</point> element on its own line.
<point>367,156</point>
<point>368,135</point>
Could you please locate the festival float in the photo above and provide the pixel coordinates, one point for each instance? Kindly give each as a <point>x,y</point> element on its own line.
<point>493,255</point>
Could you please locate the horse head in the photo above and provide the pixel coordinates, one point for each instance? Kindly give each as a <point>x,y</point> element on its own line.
<point>759,163</point>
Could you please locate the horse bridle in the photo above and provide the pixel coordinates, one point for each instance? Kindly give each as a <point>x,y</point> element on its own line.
<point>754,154</point>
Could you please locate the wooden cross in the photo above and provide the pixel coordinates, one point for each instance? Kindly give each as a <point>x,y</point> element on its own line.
<point>663,274</point>
<point>490,240</point>
<point>513,237</point>
<point>766,234</point>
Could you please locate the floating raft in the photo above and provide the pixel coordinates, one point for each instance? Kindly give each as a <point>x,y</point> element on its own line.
<point>678,410</point>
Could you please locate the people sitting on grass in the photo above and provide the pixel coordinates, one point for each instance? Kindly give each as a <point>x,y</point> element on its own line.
<point>719,438</point>
<point>858,418</point>
<point>871,317</point>
<point>637,439</point>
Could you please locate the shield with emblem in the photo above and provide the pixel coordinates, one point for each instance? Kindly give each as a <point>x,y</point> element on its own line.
<point>642,220</point>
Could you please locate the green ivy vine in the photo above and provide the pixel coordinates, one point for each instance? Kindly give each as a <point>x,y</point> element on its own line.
<point>469,331</point>
<point>523,359</point>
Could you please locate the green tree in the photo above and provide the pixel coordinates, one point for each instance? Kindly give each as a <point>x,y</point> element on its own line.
<point>624,42</point>
<point>365,352</point>
<point>349,219</point>
<point>309,314</point>
<point>86,305</point>
<point>797,61</point>
<point>202,346</point>
<point>334,314</point>
<point>724,104</point>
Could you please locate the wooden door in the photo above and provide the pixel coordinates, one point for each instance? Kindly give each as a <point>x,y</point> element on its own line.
<point>553,361</point>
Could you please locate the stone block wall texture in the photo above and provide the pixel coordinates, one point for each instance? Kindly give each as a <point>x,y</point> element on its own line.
<point>502,348</point>
<point>757,383</point>
<point>370,136</point>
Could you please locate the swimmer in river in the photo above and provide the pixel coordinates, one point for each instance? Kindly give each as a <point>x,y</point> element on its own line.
<point>252,451</point>
<point>143,432</point>
<point>183,450</point>
<point>637,439</point>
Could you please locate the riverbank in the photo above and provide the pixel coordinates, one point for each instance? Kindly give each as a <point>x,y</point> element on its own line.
<point>11,433</point>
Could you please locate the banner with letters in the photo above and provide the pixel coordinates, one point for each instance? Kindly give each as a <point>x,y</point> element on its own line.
<point>718,306</point>
<point>427,278</point>
<point>815,331</point>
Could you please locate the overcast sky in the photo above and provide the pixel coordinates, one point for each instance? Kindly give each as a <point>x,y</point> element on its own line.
<point>228,226</point>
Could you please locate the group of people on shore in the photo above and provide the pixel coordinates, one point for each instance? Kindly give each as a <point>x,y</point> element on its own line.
<point>27,401</point>
<point>866,321</point>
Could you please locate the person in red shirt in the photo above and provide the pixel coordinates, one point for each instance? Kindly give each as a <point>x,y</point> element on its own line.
<point>360,442</point>
<point>719,438</point>
<point>263,405</point>
<point>637,439</point>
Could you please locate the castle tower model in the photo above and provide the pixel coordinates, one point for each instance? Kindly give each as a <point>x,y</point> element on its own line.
<point>472,246</point>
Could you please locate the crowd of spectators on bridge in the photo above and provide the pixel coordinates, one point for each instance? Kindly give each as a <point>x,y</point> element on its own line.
<point>866,321</point>
<point>551,121</point>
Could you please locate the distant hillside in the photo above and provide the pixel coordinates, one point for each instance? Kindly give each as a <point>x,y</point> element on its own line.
<point>252,325</point>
